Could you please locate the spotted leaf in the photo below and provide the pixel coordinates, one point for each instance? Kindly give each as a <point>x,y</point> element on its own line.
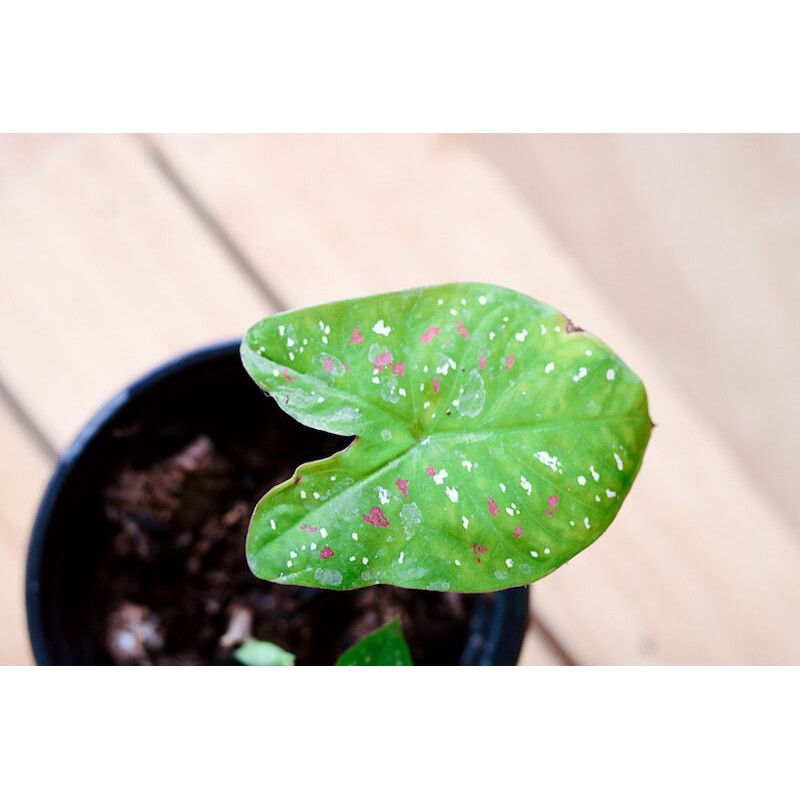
<point>494,440</point>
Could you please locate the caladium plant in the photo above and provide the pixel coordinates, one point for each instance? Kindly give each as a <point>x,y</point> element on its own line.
<point>494,440</point>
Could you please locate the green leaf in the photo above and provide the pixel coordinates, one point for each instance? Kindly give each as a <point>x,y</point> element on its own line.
<point>254,653</point>
<point>384,647</point>
<point>495,440</point>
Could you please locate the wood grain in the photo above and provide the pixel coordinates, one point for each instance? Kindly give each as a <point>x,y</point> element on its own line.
<point>699,567</point>
<point>24,469</point>
<point>106,273</point>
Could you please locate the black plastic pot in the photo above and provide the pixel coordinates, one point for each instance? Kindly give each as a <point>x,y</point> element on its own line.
<point>204,388</point>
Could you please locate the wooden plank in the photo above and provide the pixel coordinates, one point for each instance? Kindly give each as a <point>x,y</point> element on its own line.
<point>106,273</point>
<point>696,238</point>
<point>699,567</point>
<point>24,470</point>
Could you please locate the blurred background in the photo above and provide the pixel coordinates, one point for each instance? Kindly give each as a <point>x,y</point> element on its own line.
<point>117,252</point>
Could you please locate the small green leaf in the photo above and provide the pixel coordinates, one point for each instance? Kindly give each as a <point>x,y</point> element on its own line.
<point>495,440</point>
<point>254,653</point>
<point>384,647</point>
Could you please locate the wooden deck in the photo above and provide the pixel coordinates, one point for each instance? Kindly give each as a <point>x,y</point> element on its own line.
<point>117,252</point>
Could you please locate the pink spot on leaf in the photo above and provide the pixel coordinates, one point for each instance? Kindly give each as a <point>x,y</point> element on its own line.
<point>383,360</point>
<point>309,528</point>
<point>493,509</point>
<point>287,375</point>
<point>510,362</point>
<point>328,364</point>
<point>326,552</point>
<point>518,532</point>
<point>436,386</point>
<point>552,500</point>
<point>462,329</point>
<point>399,369</point>
<point>427,337</point>
<point>478,550</point>
<point>356,338</point>
<point>403,487</point>
<point>430,470</point>
<point>376,517</point>
<point>482,362</point>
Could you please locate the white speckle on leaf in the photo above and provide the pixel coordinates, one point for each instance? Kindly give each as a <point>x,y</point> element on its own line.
<point>291,356</point>
<point>610,493</point>
<point>289,563</point>
<point>333,477</point>
<point>465,522</point>
<point>492,334</point>
<point>522,335</point>
<point>595,473</point>
<point>313,546</point>
<point>534,554</point>
<point>386,434</point>
<point>401,391</point>
<point>426,440</point>
<point>597,498</point>
<point>581,480</point>
<point>315,495</point>
<point>376,380</point>
<point>549,461</point>
<point>525,484</point>
<point>303,494</point>
<point>389,391</point>
<point>547,551</point>
<point>586,523</point>
<point>365,561</point>
<point>542,329</point>
<point>510,512</point>
<point>482,300</point>
<point>509,563</point>
<point>352,558</point>
<point>619,461</point>
<point>582,373</point>
<point>381,329</point>
<point>355,536</point>
<point>320,399</point>
<point>451,493</point>
<point>589,353</point>
<point>402,556</point>
<point>323,533</point>
<point>610,375</point>
<point>502,487</point>
<point>457,563</point>
<point>328,577</point>
<point>439,477</point>
<point>549,368</point>
<point>281,330</point>
<point>426,404</point>
<point>383,495</point>
<point>473,396</point>
<point>272,524</point>
<point>292,554</point>
<point>467,464</point>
